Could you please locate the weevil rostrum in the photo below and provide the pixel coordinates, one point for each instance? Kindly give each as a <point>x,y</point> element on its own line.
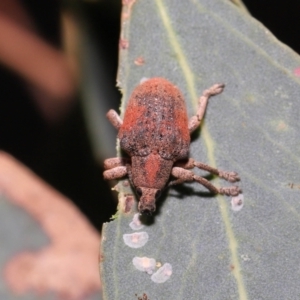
<point>155,133</point>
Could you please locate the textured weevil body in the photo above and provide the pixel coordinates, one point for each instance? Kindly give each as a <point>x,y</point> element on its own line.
<point>155,133</point>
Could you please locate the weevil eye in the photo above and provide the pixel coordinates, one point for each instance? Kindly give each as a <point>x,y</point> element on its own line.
<point>157,194</point>
<point>139,191</point>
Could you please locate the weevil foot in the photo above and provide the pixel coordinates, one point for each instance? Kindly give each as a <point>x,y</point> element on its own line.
<point>230,191</point>
<point>214,90</point>
<point>195,121</point>
<point>229,176</point>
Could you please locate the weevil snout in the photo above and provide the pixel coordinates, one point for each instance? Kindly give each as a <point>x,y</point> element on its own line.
<point>147,211</point>
<point>147,201</point>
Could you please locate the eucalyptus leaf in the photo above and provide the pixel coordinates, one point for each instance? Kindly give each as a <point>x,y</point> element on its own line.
<point>252,128</point>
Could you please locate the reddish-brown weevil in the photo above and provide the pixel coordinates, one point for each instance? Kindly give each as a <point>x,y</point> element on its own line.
<point>155,133</point>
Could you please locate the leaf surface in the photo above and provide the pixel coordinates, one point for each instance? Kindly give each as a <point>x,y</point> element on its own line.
<point>251,128</point>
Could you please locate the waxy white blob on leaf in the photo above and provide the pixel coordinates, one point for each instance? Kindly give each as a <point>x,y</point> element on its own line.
<point>136,240</point>
<point>237,202</point>
<point>144,264</point>
<point>162,274</point>
<point>136,224</point>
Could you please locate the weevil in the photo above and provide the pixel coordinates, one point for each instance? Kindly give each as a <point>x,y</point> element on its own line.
<point>155,133</point>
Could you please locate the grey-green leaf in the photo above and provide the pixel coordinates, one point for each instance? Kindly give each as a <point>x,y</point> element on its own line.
<point>216,252</point>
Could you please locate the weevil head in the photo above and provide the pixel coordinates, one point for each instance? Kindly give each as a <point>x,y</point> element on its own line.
<point>148,197</point>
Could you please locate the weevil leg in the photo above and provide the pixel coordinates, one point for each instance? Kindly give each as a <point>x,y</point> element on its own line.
<point>191,163</point>
<point>184,175</point>
<point>114,162</point>
<point>129,173</point>
<point>114,118</point>
<point>115,173</point>
<point>195,121</point>
<point>115,167</point>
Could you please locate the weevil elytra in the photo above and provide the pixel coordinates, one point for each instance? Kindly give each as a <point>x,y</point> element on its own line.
<point>155,133</point>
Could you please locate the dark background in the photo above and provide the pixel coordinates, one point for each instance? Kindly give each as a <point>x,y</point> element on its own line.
<point>61,153</point>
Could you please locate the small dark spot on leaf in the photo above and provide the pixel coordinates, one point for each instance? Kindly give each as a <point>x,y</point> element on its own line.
<point>139,61</point>
<point>144,297</point>
<point>129,200</point>
<point>124,44</point>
